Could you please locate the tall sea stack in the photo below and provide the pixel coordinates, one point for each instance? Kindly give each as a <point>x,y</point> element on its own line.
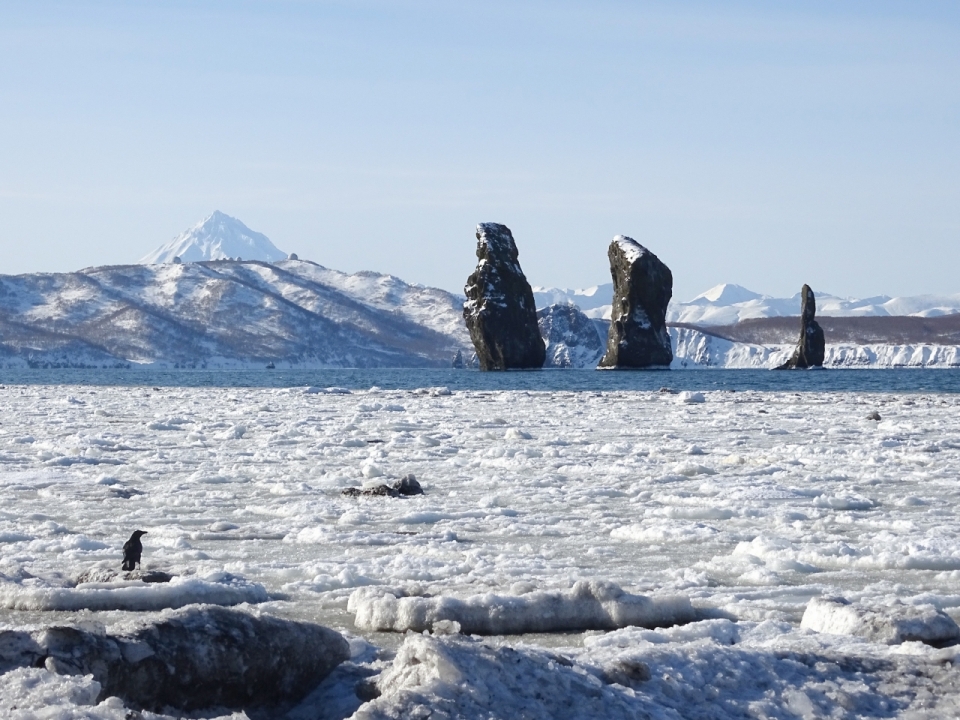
<point>810,348</point>
<point>642,288</point>
<point>500,312</point>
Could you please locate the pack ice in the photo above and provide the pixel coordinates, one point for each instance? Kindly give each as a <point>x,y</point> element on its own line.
<point>540,510</point>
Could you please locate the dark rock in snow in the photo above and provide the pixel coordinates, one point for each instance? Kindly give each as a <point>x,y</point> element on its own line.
<point>570,336</point>
<point>874,416</point>
<point>201,657</point>
<point>500,312</point>
<point>384,490</point>
<point>106,575</point>
<point>407,485</point>
<point>125,493</point>
<point>810,348</point>
<point>627,672</point>
<point>642,288</point>
<point>458,361</point>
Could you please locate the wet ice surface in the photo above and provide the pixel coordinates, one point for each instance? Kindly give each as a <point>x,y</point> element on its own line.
<point>749,503</point>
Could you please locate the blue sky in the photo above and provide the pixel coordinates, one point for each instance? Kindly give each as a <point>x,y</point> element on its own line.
<point>763,143</point>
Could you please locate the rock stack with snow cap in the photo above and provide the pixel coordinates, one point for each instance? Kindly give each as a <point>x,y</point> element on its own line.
<point>500,312</point>
<point>811,346</point>
<point>642,288</point>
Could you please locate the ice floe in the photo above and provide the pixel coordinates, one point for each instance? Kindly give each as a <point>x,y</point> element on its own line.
<point>891,624</point>
<point>585,606</point>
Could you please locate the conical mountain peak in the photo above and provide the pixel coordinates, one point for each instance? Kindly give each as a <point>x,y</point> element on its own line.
<point>217,237</point>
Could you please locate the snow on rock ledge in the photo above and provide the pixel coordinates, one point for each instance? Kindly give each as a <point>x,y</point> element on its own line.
<point>889,625</point>
<point>585,606</point>
<point>216,589</point>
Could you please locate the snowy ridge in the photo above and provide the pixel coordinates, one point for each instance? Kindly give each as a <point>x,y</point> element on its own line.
<point>217,237</point>
<point>570,337</point>
<point>226,314</point>
<point>727,304</point>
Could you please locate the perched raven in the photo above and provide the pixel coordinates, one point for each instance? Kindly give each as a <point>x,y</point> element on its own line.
<point>132,550</point>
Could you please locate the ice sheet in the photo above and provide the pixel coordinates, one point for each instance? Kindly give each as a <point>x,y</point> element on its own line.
<point>749,503</point>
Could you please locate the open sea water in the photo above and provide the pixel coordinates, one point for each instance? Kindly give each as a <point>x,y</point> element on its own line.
<point>901,380</point>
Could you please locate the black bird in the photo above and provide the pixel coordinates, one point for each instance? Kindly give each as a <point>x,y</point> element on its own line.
<point>132,550</point>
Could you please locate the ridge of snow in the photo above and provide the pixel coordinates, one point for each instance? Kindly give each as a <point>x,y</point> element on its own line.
<point>727,304</point>
<point>217,237</point>
<point>725,294</point>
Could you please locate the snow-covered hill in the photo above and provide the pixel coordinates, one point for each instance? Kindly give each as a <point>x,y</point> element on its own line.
<point>727,304</point>
<point>226,314</point>
<point>218,237</point>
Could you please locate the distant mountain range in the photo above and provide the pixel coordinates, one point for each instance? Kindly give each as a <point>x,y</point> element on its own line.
<point>728,304</point>
<point>193,303</point>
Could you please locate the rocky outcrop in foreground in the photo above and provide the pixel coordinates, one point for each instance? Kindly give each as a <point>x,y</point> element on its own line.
<point>642,288</point>
<point>500,312</point>
<point>571,337</point>
<point>192,659</point>
<point>810,347</point>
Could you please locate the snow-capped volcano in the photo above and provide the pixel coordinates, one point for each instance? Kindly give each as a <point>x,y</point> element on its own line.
<point>218,237</point>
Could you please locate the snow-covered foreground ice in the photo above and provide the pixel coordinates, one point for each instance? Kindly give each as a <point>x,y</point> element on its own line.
<point>748,503</point>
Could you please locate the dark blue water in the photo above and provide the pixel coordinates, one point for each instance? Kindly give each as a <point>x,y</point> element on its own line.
<point>882,381</point>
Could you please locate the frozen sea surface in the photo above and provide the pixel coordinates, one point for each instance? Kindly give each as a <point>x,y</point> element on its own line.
<point>749,503</point>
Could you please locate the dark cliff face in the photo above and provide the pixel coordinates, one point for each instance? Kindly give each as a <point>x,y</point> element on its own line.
<point>500,312</point>
<point>642,288</point>
<point>811,346</point>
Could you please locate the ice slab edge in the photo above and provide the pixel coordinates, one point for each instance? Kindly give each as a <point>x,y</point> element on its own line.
<point>189,659</point>
<point>588,605</point>
<point>891,625</point>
